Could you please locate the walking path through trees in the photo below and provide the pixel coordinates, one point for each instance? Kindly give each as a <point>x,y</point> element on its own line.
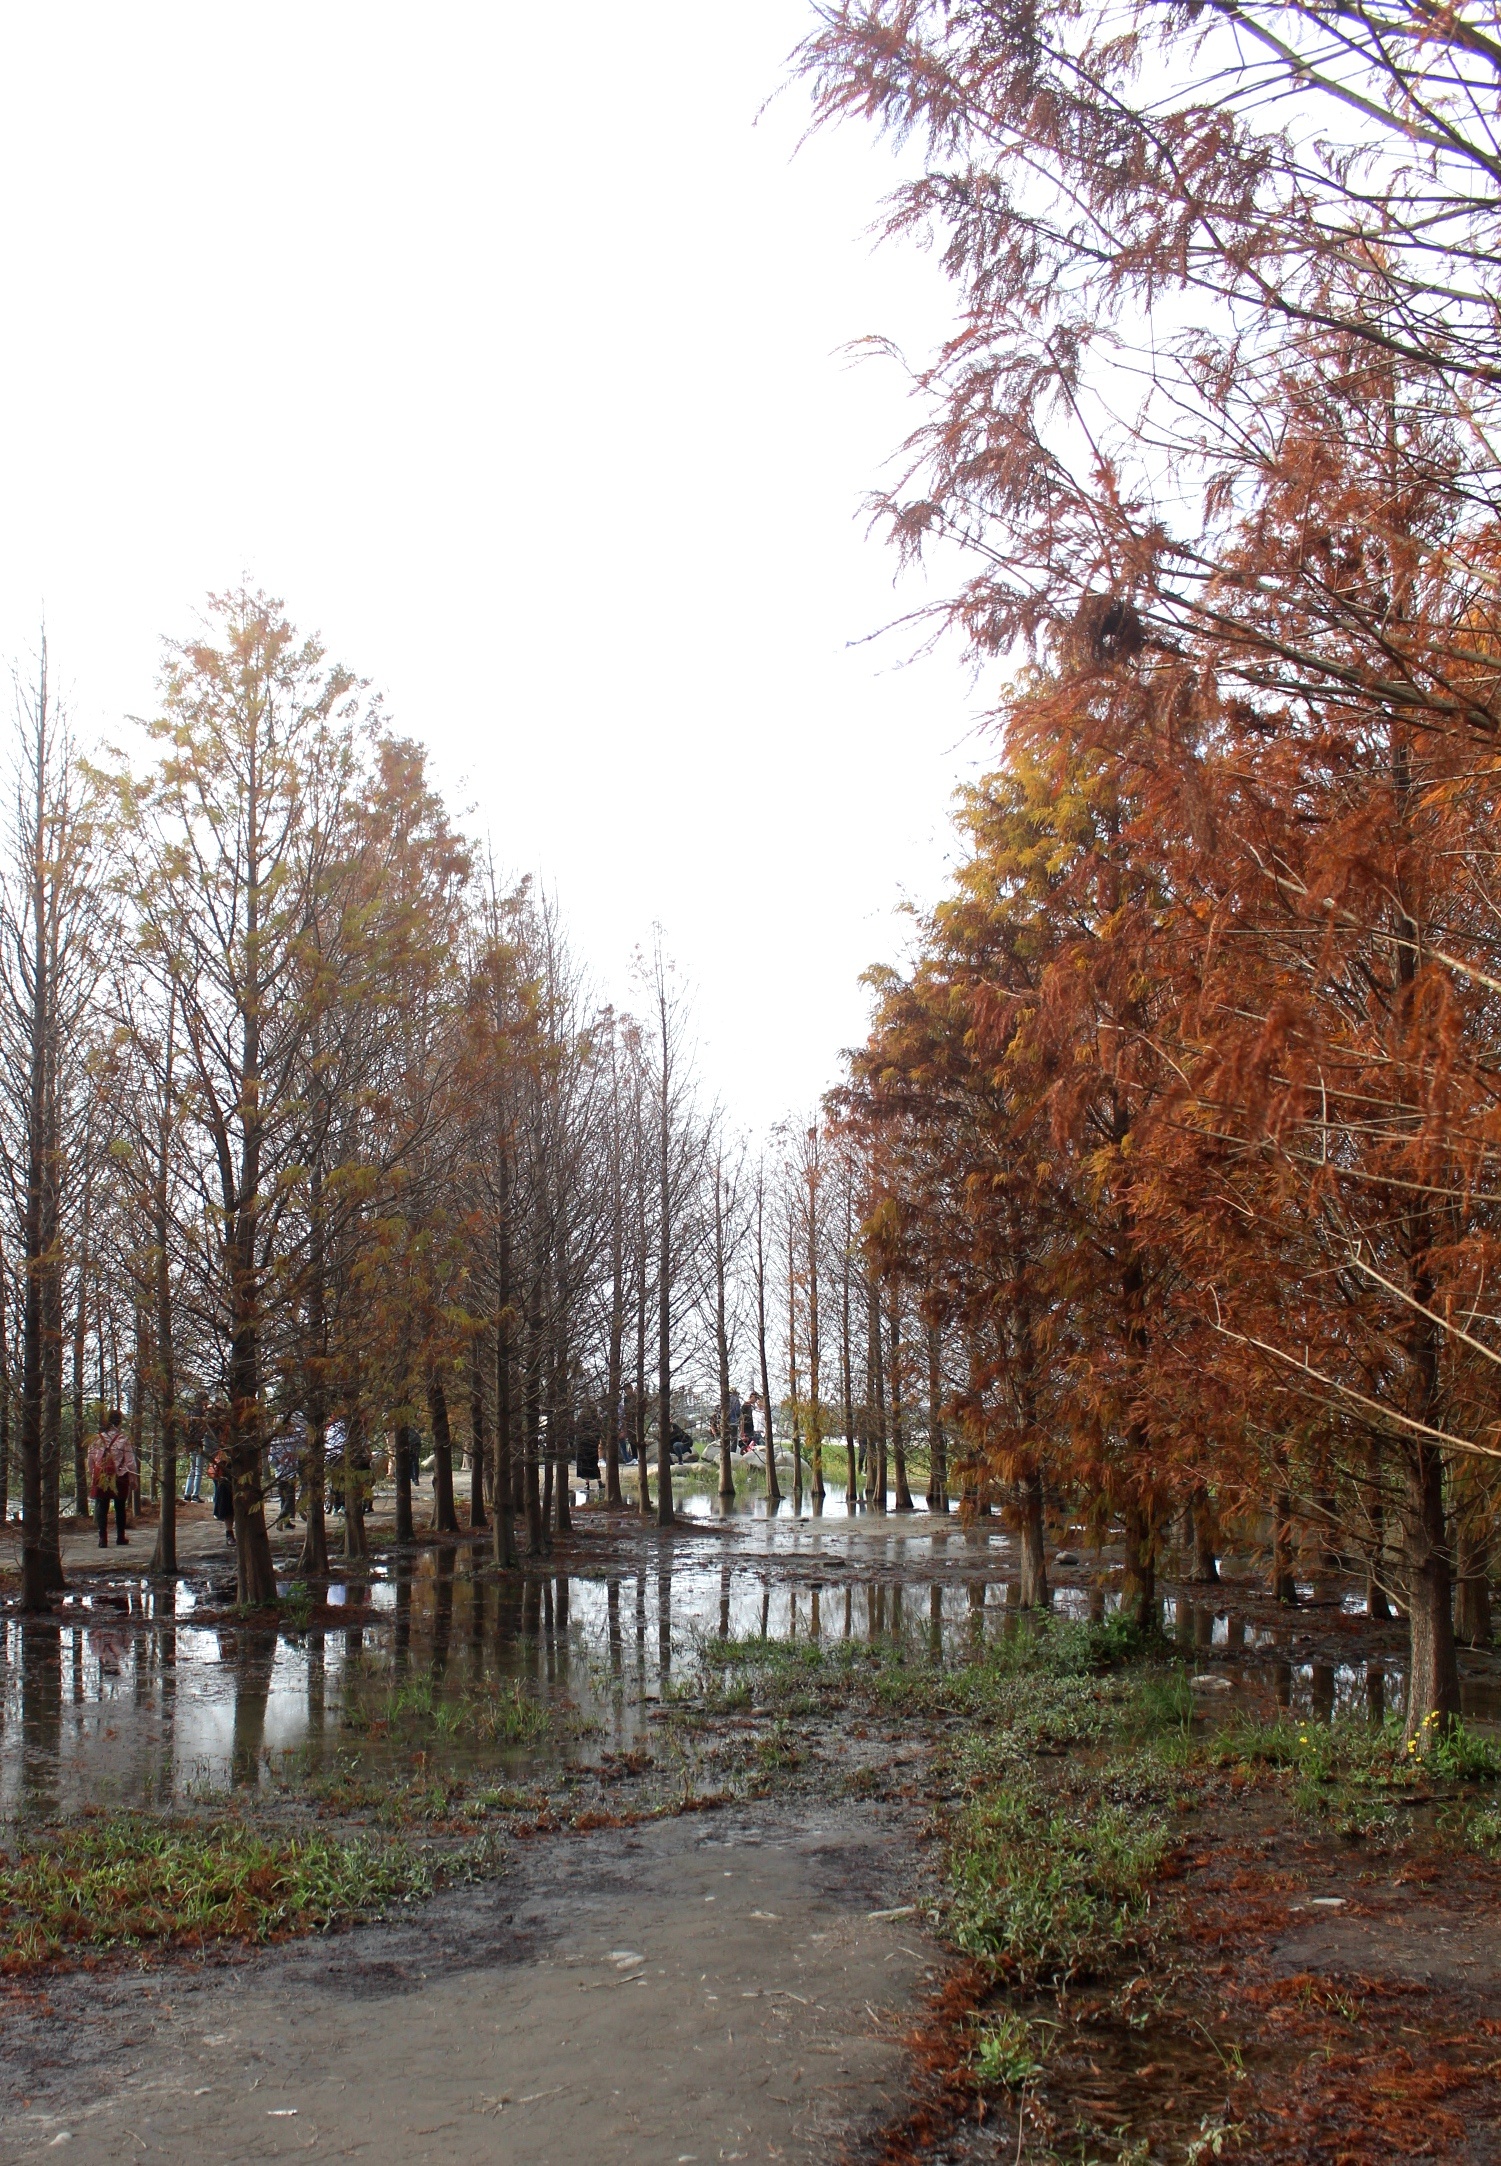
<point>751,1838</point>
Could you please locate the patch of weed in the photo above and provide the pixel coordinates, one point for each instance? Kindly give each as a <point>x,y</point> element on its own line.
<point>1007,2050</point>
<point>1045,1887</point>
<point>129,1881</point>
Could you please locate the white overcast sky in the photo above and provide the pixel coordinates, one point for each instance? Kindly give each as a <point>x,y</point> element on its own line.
<point>504,343</point>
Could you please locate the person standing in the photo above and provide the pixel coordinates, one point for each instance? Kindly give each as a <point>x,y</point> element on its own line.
<point>111,1466</point>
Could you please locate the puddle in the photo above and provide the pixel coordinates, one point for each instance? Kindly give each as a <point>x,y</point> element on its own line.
<point>126,1697</point>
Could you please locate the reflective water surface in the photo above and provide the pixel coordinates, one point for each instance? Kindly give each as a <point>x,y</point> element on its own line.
<point>134,1695</point>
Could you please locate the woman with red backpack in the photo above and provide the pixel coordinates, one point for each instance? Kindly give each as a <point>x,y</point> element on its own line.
<point>111,1470</point>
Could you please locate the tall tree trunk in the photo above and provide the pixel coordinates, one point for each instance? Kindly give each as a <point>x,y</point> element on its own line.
<point>505,1418</point>
<point>478,1443</point>
<point>1033,1592</point>
<point>445,1518</point>
<point>847,1364</point>
<point>560,1440</point>
<point>1472,1592</point>
<point>356,1480</point>
<point>773,1487</point>
<point>5,1396</point>
<point>1139,1589</point>
<point>643,1487</point>
<point>1433,1661</point>
<point>875,1487</point>
<point>722,1345</point>
<point>52,1416</point>
<point>1206,1569</point>
<point>313,1563</point>
<point>406,1447</point>
<point>902,1500</point>
<point>164,1557</point>
<point>536,1524</point>
<point>797,1411</point>
<point>254,1572</point>
<point>137,1397</point>
<point>80,1334</point>
<point>664,1307</point>
<point>1284,1585</point>
<point>938,1458</point>
<point>1377,1601</point>
<point>815,1336</point>
<point>615,1348</point>
<point>506,1456</point>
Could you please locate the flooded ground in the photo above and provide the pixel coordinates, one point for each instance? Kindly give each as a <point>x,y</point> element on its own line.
<point>139,1695</point>
<point>691,1901</point>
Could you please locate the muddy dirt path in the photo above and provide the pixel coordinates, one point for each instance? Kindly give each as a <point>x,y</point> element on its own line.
<point>706,1988</point>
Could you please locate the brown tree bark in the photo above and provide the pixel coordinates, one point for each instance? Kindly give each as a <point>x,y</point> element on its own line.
<point>902,1496</point>
<point>478,1441</point>
<point>773,1486</point>
<point>938,1458</point>
<point>1033,1592</point>
<point>1139,1587</point>
<point>1205,1564</point>
<point>445,1517</point>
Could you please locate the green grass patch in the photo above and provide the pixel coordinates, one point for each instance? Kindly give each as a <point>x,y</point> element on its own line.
<point>1047,1886</point>
<point>131,1882</point>
<point>499,1715</point>
<point>1356,1752</point>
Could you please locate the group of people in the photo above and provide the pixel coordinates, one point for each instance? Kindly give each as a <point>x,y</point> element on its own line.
<point>741,1422</point>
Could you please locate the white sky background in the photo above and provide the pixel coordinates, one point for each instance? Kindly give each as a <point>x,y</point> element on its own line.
<point>503,344</point>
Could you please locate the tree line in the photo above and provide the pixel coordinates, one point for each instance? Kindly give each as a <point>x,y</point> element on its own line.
<point>306,1110</point>
<point>1186,1111</point>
